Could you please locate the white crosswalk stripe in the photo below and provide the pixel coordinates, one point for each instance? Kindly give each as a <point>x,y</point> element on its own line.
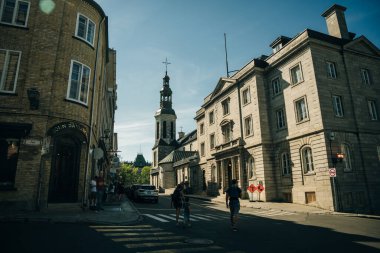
<point>193,217</point>
<point>270,213</point>
<point>149,239</point>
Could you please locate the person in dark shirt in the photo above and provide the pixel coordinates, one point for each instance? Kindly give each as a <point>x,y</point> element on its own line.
<point>233,194</point>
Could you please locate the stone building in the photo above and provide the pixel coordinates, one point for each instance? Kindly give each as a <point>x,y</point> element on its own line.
<point>57,101</point>
<point>282,121</point>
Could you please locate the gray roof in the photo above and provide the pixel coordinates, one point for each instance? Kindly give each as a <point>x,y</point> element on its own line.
<point>178,155</point>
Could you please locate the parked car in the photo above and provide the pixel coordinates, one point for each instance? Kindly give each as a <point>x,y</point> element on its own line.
<point>144,192</point>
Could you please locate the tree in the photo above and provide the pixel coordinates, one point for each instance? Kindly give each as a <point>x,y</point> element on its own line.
<point>130,175</point>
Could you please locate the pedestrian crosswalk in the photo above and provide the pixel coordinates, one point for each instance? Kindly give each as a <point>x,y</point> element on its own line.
<point>161,217</point>
<point>193,217</point>
<point>149,239</point>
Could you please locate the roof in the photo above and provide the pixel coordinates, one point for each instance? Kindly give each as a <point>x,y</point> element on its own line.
<point>139,161</point>
<point>188,138</point>
<point>178,155</point>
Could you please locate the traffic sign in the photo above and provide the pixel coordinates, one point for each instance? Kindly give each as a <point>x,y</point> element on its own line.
<point>252,188</point>
<point>332,172</point>
<point>260,188</point>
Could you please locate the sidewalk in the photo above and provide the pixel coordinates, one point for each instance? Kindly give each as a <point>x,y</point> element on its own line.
<point>282,206</point>
<point>117,213</point>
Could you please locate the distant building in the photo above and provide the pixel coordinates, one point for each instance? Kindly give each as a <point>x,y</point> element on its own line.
<point>140,161</point>
<point>174,160</point>
<point>58,100</point>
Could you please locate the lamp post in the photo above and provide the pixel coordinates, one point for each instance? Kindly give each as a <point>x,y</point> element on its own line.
<point>333,161</point>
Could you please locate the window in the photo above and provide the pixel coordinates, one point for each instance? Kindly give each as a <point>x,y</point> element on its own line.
<point>8,159</point>
<point>285,164</point>
<point>202,149</point>
<point>157,130</point>
<point>172,130</point>
<point>344,148</point>
<point>307,160</point>
<point>251,167</point>
<point>276,86</point>
<point>365,76</point>
<point>212,141</point>
<point>301,110</point>
<point>378,152</point>
<point>79,82</point>
<point>248,126</point>
<point>338,107</point>
<point>213,173</point>
<point>211,117</point>
<point>331,71</point>
<point>164,129</point>
<point>372,109</point>
<point>296,74</point>
<point>85,29</point>
<point>9,65</point>
<point>226,130</point>
<point>201,128</point>
<point>14,12</point>
<point>226,106</point>
<point>281,122</point>
<point>246,96</point>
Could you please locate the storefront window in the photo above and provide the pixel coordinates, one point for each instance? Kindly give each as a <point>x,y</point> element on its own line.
<point>9,149</point>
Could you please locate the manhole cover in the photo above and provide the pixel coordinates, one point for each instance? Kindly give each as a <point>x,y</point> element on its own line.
<point>199,241</point>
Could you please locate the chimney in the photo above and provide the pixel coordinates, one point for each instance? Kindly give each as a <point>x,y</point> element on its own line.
<point>336,21</point>
<point>181,134</point>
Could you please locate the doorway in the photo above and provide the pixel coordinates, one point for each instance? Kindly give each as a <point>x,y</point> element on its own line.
<point>64,170</point>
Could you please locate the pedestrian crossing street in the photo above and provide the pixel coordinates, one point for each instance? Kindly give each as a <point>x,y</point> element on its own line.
<point>150,239</point>
<point>213,217</point>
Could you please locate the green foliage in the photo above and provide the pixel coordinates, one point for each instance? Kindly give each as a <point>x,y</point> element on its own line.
<point>130,175</point>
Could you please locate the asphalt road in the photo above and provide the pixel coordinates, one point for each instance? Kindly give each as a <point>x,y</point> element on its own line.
<point>259,231</point>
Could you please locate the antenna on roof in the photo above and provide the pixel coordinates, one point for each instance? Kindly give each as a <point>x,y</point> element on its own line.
<point>225,49</point>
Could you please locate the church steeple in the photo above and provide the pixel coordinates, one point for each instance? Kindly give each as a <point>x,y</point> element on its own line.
<point>166,94</point>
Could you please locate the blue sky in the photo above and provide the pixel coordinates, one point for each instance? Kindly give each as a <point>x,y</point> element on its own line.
<point>190,33</point>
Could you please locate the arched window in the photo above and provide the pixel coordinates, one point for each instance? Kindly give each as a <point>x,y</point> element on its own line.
<point>345,149</point>
<point>307,160</point>
<point>251,167</point>
<point>164,130</point>
<point>285,164</point>
<point>213,173</point>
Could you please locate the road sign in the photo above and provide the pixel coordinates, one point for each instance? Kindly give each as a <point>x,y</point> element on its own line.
<point>252,188</point>
<point>260,188</point>
<point>332,172</point>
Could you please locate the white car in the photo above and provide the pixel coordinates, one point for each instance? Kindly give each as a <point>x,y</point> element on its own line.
<point>145,192</point>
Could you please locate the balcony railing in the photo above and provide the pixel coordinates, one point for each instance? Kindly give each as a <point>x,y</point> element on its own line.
<point>228,145</point>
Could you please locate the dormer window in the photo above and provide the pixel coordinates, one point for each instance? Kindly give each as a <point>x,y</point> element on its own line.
<point>279,43</point>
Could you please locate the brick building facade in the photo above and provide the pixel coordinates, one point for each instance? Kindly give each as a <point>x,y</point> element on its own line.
<point>57,101</point>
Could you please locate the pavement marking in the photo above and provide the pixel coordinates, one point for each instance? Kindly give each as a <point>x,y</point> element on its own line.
<point>166,216</point>
<point>193,217</point>
<point>184,250</point>
<point>155,217</point>
<point>137,239</point>
<point>138,234</point>
<point>113,226</point>
<point>127,229</point>
<point>152,244</point>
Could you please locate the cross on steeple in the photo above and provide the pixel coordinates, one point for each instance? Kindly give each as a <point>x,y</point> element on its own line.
<point>166,64</point>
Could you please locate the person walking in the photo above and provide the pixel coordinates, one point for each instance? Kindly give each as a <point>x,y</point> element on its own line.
<point>177,201</point>
<point>100,187</point>
<point>233,194</point>
<point>93,193</point>
<point>186,205</point>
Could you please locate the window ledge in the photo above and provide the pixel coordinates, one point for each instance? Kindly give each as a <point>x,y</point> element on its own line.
<point>2,93</point>
<point>76,102</point>
<point>83,40</point>
<point>309,173</point>
<point>8,188</point>
<point>14,26</point>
